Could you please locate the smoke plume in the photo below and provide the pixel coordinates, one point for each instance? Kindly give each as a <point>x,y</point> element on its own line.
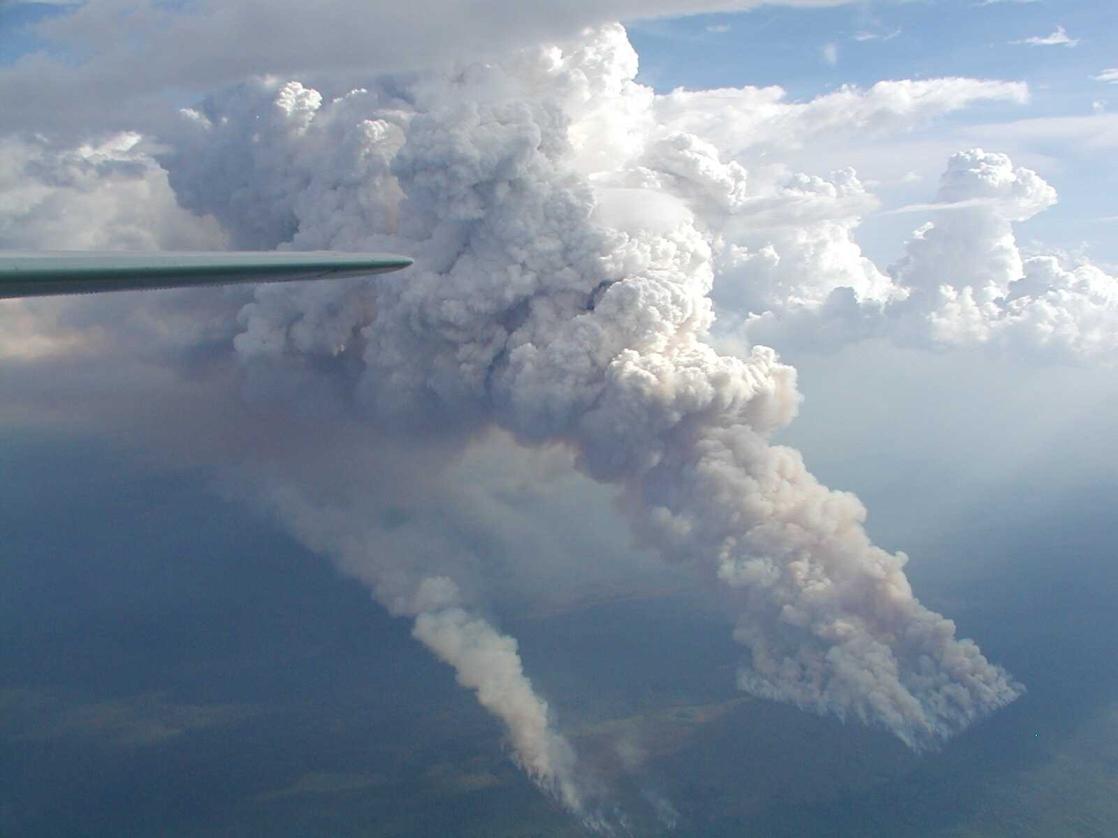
<point>561,292</point>
<point>573,233</point>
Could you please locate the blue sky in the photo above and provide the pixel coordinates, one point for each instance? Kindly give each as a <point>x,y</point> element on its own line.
<point>783,46</point>
<point>17,22</point>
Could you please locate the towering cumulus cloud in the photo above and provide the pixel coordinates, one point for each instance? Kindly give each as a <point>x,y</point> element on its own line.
<point>967,282</point>
<point>568,227</point>
<point>963,280</point>
<point>561,292</point>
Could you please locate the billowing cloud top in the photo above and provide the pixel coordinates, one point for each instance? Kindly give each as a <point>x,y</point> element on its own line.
<point>581,246</point>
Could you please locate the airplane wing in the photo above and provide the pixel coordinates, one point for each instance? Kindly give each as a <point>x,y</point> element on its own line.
<point>47,274</point>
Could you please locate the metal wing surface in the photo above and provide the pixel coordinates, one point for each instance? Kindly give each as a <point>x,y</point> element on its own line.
<point>48,274</point>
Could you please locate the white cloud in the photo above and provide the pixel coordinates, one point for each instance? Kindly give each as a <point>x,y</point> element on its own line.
<point>1109,76</point>
<point>1058,38</point>
<point>973,243</point>
<point>867,35</point>
<point>963,280</point>
<point>108,195</point>
<point>830,54</point>
<point>748,122</point>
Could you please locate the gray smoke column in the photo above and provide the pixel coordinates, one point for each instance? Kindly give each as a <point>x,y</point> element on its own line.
<point>400,567</point>
<point>488,663</point>
<point>561,293</point>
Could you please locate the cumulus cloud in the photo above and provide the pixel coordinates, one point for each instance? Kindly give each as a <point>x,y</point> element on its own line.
<point>971,243</point>
<point>963,280</point>
<point>106,195</point>
<point>573,234</point>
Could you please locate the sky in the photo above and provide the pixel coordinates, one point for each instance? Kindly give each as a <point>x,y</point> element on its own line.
<point>783,330</point>
<point>873,41</point>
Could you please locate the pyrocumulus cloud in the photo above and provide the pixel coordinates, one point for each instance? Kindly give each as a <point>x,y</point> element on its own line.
<point>575,236</point>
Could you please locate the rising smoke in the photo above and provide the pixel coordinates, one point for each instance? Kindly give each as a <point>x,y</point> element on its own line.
<point>572,233</point>
<point>561,291</point>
